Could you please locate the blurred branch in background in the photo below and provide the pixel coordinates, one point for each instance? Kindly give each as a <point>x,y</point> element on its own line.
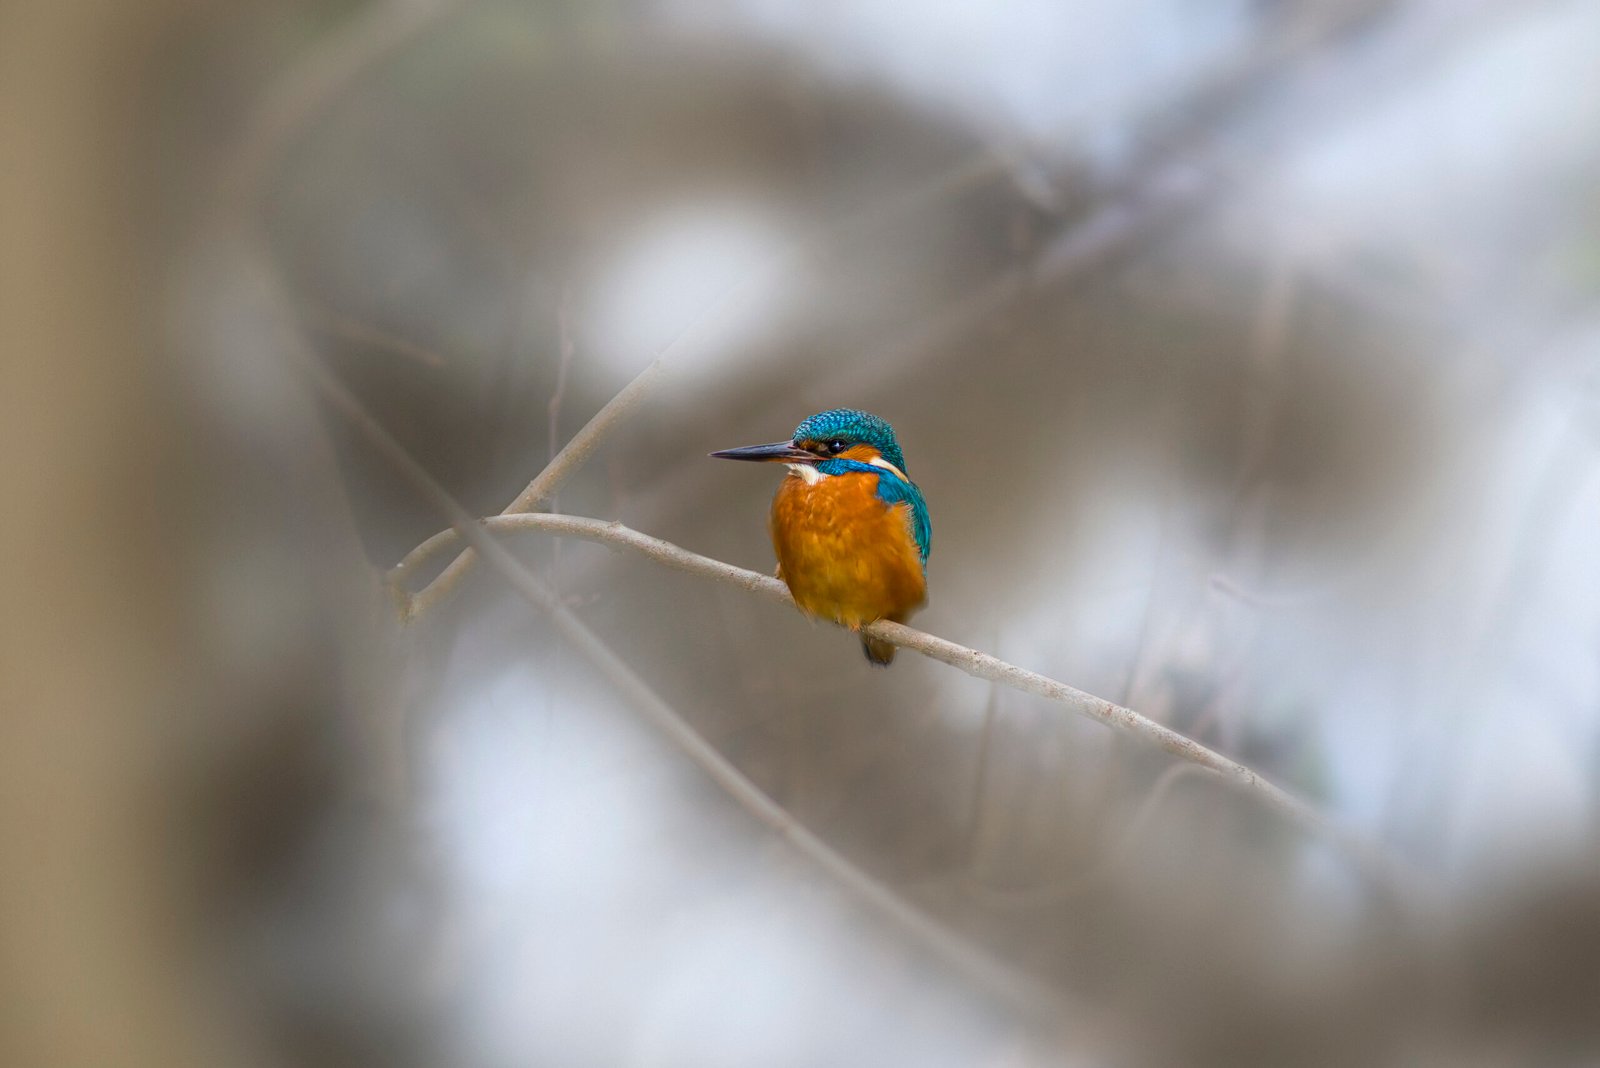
<point>295,99</point>
<point>1330,64</point>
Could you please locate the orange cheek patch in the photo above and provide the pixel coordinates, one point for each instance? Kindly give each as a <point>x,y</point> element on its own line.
<point>865,453</point>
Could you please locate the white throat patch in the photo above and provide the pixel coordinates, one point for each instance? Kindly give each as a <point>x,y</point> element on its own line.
<point>807,472</point>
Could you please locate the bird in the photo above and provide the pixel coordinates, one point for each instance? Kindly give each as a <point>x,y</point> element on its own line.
<point>850,529</point>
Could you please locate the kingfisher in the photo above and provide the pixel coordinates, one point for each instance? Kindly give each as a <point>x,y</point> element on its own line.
<point>850,530</point>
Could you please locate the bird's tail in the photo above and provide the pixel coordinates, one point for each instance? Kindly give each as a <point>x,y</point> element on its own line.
<point>879,653</point>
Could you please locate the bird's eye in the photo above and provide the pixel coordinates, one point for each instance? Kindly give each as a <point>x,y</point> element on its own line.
<point>836,446</point>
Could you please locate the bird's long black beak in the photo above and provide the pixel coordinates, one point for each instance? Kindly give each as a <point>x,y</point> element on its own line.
<point>779,452</point>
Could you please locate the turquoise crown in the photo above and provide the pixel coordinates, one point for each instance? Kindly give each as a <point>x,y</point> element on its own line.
<point>853,427</point>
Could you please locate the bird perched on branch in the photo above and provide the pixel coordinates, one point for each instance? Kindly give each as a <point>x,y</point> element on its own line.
<point>850,529</point>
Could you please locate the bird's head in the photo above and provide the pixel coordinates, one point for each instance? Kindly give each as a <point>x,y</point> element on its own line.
<point>840,433</point>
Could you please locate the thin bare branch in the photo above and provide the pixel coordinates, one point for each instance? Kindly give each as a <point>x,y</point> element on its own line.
<point>978,664</point>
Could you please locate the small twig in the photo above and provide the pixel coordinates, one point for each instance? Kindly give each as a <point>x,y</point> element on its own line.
<point>980,665</point>
<point>548,481</point>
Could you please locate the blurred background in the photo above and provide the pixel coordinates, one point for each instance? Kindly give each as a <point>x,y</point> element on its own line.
<point>1247,352</point>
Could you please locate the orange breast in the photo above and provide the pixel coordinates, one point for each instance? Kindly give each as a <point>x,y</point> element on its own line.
<point>845,554</point>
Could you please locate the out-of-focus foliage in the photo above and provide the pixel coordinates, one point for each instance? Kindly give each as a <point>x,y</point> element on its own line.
<point>1244,352</point>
